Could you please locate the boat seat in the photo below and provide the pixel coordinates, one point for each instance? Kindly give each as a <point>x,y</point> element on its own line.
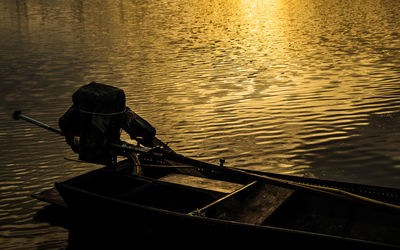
<point>261,204</point>
<point>252,204</point>
<point>196,182</point>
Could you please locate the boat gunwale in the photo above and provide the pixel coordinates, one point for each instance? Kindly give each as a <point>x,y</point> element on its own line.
<point>379,191</point>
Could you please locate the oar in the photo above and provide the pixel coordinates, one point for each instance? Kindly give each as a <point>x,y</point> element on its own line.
<point>18,115</point>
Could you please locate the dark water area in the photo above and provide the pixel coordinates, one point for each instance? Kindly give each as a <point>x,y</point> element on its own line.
<point>297,87</point>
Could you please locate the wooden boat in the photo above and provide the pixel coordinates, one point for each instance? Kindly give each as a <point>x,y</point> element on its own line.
<point>184,201</point>
<point>178,199</point>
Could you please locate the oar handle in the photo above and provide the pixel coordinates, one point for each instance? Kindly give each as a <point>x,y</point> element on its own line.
<point>18,115</point>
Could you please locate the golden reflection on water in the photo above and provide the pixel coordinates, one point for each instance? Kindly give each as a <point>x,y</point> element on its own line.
<point>222,78</point>
<point>289,86</point>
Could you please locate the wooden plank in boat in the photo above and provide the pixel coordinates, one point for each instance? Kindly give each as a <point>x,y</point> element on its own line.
<point>202,183</point>
<point>259,205</point>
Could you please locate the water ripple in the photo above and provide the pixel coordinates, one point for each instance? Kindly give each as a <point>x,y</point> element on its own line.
<point>299,87</point>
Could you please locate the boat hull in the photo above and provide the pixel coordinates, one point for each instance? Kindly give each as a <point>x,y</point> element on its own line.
<point>107,220</point>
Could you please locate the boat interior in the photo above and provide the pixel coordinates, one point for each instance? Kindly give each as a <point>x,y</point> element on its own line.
<point>252,203</point>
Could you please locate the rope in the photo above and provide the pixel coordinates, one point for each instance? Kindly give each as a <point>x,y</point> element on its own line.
<point>336,190</point>
<point>104,114</point>
<point>353,195</point>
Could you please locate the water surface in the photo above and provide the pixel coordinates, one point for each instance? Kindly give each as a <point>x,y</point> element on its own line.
<point>296,87</point>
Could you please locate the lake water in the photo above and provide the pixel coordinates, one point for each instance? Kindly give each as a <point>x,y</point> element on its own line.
<point>306,87</point>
